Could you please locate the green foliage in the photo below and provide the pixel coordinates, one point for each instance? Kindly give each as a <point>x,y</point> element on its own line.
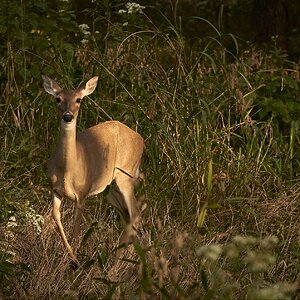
<point>10,270</point>
<point>220,123</point>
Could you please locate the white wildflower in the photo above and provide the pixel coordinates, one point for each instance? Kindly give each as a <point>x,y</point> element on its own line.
<point>11,253</point>
<point>84,27</point>
<point>84,41</point>
<point>12,222</point>
<point>10,225</point>
<point>132,8</point>
<point>86,32</point>
<point>35,219</point>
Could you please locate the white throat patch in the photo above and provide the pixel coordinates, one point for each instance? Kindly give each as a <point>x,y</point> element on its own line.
<point>68,125</point>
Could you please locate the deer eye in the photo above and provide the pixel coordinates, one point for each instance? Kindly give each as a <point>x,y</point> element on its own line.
<point>58,100</point>
<point>78,100</point>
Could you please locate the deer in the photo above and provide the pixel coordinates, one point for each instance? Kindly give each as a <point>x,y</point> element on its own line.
<point>85,164</point>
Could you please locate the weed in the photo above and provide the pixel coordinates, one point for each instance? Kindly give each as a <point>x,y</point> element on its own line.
<point>221,159</point>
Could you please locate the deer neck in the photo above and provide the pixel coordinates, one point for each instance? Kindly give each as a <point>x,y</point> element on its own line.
<point>67,147</point>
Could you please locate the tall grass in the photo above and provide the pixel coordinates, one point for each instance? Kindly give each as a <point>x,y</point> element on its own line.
<point>210,160</point>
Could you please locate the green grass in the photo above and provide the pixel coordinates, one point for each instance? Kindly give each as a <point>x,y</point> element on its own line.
<point>215,167</point>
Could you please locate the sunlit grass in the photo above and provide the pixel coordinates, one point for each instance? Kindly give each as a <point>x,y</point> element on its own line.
<point>213,169</point>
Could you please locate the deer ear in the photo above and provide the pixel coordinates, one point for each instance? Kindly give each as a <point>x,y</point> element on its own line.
<point>50,86</point>
<point>88,87</point>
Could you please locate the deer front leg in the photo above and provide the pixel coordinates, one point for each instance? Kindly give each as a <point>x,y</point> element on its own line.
<point>78,208</point>
<point>57,217</point>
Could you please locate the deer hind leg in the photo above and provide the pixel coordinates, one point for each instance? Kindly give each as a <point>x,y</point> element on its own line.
<point>122,197</point>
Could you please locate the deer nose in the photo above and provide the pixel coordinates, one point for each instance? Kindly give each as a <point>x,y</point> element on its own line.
<point>68,117</point>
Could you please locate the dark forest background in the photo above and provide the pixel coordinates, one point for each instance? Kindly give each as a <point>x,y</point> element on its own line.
<point>256,21</point>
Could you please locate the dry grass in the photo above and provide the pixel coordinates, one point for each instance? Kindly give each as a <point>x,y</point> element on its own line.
<point>165,257</point>
<point>193,106</point>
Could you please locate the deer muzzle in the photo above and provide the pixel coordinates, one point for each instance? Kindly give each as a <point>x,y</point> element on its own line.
<point>68,117</point>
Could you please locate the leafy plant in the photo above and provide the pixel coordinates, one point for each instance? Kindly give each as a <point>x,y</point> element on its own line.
<point>220,123</point>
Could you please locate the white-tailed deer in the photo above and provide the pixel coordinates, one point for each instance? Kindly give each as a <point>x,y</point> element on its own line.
<point>85,164</point>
